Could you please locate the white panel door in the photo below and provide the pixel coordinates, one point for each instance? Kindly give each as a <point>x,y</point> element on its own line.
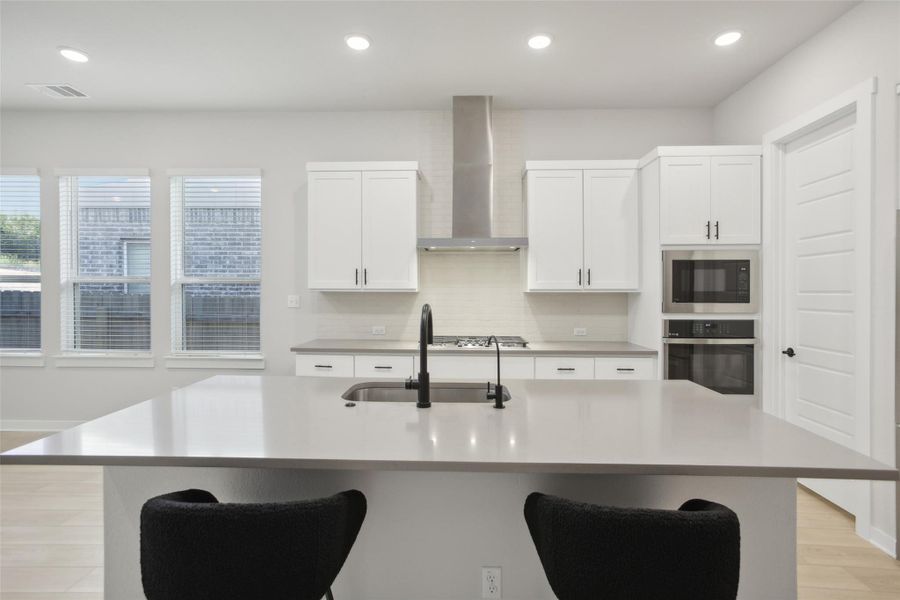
<point>736,209</point>
<point>555,230</point>
<point>611,234</point>
<point>335,230</point>
<point>824,381</point>
<point>684,200</point>
<point>389,258</point>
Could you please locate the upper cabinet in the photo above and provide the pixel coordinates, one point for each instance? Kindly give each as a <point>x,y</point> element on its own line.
<point>582,226</point>
<point>362,226</point>
<point>708,196</point>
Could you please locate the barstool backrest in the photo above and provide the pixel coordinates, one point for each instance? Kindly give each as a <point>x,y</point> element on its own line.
<point>194,547</point>
<point>607,553</point>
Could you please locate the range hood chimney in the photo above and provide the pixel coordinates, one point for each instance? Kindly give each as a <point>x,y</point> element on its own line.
<point>473,178</point>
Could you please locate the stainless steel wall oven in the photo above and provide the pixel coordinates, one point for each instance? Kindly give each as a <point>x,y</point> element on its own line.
<point>717,354</point>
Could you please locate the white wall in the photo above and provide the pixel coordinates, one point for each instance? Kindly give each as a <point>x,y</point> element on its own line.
<point>280,144</point>
<point>863,43</point>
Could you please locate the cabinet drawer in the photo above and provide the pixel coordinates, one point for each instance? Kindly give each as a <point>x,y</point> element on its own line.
<point>383,366</point>
<point>563,367</point>
<point>614,367</point>
<point>477,368</point>
<point>324,365</point>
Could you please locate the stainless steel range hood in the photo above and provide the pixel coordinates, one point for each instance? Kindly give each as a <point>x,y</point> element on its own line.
<point>473,190</point>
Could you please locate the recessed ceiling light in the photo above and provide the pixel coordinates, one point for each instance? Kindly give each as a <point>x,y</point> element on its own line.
<point>357,41</point>
<point>73,54</point>
<point>540,41</point>
<point>728,38</point>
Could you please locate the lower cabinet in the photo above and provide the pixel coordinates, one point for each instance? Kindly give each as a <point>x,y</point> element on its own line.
<point>476,368</point>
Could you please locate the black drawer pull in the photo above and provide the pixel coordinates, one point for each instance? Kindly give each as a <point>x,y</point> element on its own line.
<point>387,368</point>
<point>625,369</point>
<point>323,366</point>
<point>565,368</point>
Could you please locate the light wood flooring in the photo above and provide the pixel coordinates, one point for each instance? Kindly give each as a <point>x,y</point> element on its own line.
<point>51,539</point>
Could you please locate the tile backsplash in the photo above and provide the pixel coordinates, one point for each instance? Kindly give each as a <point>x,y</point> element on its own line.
<point>473,294</point>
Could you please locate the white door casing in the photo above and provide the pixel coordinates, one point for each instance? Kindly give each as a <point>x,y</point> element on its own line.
<point>335,230</point>
<point>818,278</point>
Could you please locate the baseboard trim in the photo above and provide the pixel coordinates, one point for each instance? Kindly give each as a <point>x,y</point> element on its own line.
<point>36,425</point>
<point>883,541</point>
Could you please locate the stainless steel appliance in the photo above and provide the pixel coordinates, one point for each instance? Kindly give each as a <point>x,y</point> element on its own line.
<point>711,281</point>
<point>717,354</point>
<point>477,341</point>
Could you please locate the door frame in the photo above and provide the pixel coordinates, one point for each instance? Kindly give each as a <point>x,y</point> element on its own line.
<point>859,100</point>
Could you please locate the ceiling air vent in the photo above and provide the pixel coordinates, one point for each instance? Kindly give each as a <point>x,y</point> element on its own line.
<point>57,90</point>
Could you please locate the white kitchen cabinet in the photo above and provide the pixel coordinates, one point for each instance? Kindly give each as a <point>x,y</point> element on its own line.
<point>362,227</point>
<point>736,211</point>
<point>706,200</point>
<point>611,234</point>
<point>324,365</point>
<point>624,367</point>
<point>563,367</point>
<point>476,368</point>
<point>335,230</point>
<point>383,366</point>
<point>555,230</point>
<point>583,226</point>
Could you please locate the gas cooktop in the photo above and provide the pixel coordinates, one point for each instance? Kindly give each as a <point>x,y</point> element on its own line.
<point>478,341</point>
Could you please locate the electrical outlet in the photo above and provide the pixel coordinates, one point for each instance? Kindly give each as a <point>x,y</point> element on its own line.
<point>491,583</point>
<point>377,329</point>
<point>293,301</point>
<point>580,331</point>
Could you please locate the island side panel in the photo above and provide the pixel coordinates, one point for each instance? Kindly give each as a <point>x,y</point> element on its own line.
<point>427,534</point>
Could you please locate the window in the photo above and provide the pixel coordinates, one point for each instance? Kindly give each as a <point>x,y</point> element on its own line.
<point>105,262</point>
<point>216,238</point>
<point>20,262</point>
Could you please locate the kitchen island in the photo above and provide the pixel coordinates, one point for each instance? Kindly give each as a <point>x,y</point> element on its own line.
<point>446,485</point>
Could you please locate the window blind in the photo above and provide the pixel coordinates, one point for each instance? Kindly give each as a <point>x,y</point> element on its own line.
<point>216,244</point>
<point>20,262</point>
<point>105,262</point>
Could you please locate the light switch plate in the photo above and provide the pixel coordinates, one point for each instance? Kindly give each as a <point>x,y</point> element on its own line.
<point>293,301</point>
<point>580,331</point>
<point>377,329</point>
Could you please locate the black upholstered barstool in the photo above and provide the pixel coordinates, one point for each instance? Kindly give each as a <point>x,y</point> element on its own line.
<point>592,552</point>
<point>193,546</point>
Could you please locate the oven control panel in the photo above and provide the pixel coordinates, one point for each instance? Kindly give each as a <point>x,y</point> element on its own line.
<point>710,328</point>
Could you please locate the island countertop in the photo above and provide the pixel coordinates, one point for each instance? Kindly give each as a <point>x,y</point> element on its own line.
<point>603,427</point>
<point>339,346</point>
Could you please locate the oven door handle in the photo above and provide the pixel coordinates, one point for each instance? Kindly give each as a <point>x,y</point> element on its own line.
<point>711,341</point>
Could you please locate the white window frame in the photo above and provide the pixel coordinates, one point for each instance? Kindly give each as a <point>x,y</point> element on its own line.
<point>71,356</point>
<point>126,242</point>
<point>195,359</point>
<point>27,357</point>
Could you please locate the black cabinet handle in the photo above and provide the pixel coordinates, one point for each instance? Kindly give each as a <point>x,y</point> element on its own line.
<point>589,277</point>
<point>625,369</point>
<point>565,369</point>
<point>366,274</point>
<point>707,230</point>
<point>789,352</point>
<point>386,368</point>
<point>717,230</point>
<point>356,282</point>
<point>323,366</point>
<point>579,276</point>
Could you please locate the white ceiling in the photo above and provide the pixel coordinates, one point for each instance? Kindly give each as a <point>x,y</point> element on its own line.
<point>291,55</point>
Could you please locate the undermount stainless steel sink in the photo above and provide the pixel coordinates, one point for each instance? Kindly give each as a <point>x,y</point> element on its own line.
<point>394,391</point>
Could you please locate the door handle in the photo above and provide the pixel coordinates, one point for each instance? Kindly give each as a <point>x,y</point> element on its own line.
<point>707,230</point>
<point>789,352</point>
<point>717,230</point>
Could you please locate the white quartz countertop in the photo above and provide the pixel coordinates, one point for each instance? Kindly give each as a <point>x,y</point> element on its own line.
<point>626,427</point>
<point>337,346</point>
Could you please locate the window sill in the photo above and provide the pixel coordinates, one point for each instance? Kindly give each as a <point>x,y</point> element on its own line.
<point>101,360</point>
<point>216,361</point>
<point>21,359</point>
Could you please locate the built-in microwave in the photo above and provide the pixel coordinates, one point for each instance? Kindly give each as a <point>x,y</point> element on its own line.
<point>711,281</point>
